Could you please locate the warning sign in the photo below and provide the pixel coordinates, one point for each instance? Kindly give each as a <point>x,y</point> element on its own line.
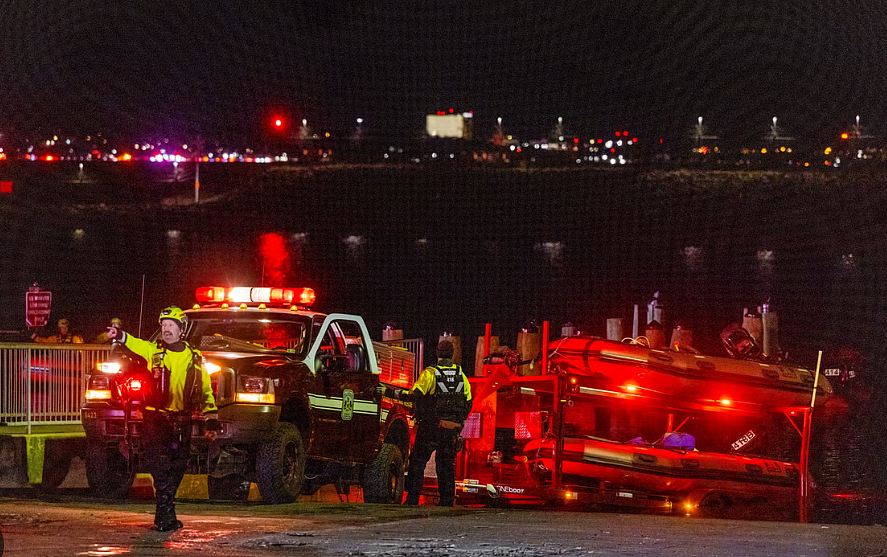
<point>38,303</point>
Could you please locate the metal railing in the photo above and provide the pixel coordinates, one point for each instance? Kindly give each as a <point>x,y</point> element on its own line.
<point>414,345</point>
<point>44,383</point>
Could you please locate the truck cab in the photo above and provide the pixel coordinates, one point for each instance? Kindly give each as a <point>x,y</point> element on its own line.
<point>298,394</point>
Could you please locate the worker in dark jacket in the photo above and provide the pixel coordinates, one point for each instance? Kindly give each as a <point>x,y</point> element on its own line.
<point>442,402</point>
<point>179,385</point>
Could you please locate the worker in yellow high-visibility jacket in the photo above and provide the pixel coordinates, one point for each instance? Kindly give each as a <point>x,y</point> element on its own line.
<point>179,385</point>
<point>442,399</point>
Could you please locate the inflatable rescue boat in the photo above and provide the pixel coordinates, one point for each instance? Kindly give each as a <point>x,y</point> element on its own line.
<point>690,474</point>
<point>686,375</point>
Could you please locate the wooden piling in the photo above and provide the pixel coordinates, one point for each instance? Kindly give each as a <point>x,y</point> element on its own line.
<point>655,334</point>
<point>615,329</point>
<point>528,346</point>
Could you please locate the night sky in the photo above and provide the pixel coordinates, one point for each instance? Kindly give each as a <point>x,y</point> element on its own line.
<point>223,68</point>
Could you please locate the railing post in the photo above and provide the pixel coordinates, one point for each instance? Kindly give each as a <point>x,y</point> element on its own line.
<point>545,333</point>
<point>488,335</point>
<point>28,384</point>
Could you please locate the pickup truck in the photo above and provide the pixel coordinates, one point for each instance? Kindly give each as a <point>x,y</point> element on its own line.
<point>298,395</point>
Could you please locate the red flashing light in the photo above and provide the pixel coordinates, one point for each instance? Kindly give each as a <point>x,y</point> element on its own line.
<point>725,402</point>
<point>135,385</point>
<point>278,122</point>
<point>264,295</point>
<point>210,294</point>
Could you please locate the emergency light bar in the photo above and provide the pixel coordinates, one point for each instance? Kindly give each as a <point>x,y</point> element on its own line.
<point>255,294</point>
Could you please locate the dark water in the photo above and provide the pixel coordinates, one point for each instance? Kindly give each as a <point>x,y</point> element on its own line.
<point>446,248</point>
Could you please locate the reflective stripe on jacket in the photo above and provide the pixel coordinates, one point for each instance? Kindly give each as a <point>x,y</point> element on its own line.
<point>448,393</point>
<point>178,364</point>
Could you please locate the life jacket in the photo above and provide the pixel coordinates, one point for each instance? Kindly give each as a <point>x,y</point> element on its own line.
<point>450,402</point>
<point>159,395</point>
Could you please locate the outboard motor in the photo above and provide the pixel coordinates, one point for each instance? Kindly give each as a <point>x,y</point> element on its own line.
<point>739,343</point>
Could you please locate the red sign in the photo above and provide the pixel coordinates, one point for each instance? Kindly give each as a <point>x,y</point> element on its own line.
<point>37,307</point>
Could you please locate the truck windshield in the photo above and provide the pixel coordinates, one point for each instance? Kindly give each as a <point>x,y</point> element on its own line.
<point>245,333</point>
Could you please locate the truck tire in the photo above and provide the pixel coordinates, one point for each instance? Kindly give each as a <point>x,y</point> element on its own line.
<point>280,465</point>
<point>107,472</point>
<point>232,487</point>
<point>383,478</point>
<point>57,457</point>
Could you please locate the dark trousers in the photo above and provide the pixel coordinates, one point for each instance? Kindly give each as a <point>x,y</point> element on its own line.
<point>167,442</point>
<point>430,438</point>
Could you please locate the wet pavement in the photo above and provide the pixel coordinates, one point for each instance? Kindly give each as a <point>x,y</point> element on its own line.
<point>73,525</point>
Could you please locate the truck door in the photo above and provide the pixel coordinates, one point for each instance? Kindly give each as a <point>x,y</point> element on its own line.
<point>345,400</point>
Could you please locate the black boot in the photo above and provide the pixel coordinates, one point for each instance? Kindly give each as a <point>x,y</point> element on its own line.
<point>165,519</point>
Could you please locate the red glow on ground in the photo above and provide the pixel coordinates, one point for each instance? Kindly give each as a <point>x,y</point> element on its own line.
<point>276,260</point>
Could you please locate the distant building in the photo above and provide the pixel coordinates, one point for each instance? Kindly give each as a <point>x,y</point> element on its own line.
<point>449,125</point>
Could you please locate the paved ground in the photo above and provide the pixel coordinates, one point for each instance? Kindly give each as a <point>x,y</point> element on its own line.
<point>72,524</point>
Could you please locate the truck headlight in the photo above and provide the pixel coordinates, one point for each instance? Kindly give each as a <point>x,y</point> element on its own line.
<point>98,388</point>
<point>254,390</point>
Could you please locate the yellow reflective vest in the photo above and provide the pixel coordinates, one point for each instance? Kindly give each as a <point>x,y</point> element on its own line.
<point>177,363</point>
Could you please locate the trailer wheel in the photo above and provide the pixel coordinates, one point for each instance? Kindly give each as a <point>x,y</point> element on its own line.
<point>232,487</point>
<point>383,478</point>
<point>280,465</point>
<point>108,472</point>
<point>715,505</point>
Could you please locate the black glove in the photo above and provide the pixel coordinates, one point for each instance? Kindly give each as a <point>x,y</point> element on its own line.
<point>212,423</point>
